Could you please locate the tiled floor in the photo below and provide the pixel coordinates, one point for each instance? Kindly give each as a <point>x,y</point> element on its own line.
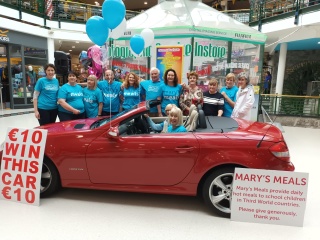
<point>89,214</point>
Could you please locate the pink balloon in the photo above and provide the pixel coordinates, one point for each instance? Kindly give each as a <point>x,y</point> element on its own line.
<point>96,54</point>
<point>90,71</point>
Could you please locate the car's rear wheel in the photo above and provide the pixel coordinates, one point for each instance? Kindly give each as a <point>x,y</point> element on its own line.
<point>217,191</point>
<point>50,180</point>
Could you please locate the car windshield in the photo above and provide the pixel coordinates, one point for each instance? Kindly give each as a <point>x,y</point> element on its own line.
<point>103,121</point>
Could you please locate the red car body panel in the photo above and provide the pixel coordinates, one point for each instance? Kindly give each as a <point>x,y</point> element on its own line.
<point>156,163</point>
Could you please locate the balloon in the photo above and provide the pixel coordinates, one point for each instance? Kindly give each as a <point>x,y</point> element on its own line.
<point>133,53</point>
<point>113,12</point>
<point>148,36</point>
<point>119,31</point>
<point>96,54</point>
<point>97,30</point>
<point>137,43</point>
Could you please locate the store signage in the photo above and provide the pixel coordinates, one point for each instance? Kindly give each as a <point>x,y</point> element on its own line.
<point>225,65</point>
<point>21,165</point>
<point>131,66</point>
<point>200,50</point>
<point>265,196</point>
<point>170,57</point>
<point>4,36</point>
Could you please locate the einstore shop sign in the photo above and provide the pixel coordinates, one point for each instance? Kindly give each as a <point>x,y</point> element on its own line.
<point>266,196</point>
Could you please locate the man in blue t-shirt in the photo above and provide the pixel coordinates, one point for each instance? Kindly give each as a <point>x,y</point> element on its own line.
<point>229,92</point>
<point>110,91</point>
<point>152,90</point>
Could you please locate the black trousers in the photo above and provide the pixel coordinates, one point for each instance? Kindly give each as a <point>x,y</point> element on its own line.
<point>63,116</point>
<point>47,116</point>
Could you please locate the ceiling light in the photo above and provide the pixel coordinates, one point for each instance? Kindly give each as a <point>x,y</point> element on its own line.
<point>145,3</point>
<point>73,46</point>
<point>70,50</point>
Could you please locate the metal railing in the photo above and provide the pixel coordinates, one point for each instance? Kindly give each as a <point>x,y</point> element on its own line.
<point>261,9</point>
<point>241,15</point>
<point>289,105</point>
<point>66,11</point>
<point>62,10</point>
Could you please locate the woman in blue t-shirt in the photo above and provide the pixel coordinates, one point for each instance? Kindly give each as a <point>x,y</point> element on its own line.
<point>171,90</point>
<point>92,98</point>
<point>45,96</point>
<point>70,99</point>
<point>130,93</point>
<point>176,121</point>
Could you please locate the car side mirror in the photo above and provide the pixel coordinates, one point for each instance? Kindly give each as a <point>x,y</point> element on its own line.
<point>113,132</point>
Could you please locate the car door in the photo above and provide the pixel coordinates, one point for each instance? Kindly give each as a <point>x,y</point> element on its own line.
<point>142,159</point>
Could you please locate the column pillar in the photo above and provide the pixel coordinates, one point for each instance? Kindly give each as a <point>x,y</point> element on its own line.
<point>281,71</point>
<point>281,68</point>
<point>50,43</point>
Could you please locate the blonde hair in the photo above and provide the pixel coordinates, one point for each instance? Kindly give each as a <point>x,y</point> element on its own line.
<point>213,82</point>
<point>177,111</point>
<point>165,126</point>
<point>170,105</point>
<point>94,78</point>
<point>231,75</point>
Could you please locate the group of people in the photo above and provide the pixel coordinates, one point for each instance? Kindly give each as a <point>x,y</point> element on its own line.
<point>69,102</point>
<point>109,97</point>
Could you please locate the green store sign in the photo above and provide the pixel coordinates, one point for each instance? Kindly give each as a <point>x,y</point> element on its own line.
<point>199,51</point>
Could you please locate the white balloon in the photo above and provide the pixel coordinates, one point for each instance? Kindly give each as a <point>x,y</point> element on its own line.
<point>119,31</point>
<point>148,37</point>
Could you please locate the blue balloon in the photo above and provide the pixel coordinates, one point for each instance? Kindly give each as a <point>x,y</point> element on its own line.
<point>97,30</point>
<point>113,12</point>
<point>137,44</point>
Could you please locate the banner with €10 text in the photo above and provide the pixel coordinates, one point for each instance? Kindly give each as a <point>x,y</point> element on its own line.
<point>21,165</point>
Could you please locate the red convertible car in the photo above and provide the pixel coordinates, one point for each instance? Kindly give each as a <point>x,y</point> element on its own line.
<point>121,153</point>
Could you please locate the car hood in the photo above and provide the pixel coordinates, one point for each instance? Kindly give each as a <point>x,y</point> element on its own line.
<point>67,126</point>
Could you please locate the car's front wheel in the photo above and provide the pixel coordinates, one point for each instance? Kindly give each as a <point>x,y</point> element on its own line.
<point>50,180</point>
<point>217,191</point>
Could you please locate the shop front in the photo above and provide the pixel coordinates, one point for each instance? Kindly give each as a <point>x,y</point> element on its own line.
<point>22,61</point>
<point>191,36</point>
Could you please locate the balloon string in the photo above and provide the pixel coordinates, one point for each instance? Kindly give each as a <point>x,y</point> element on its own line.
<point>110,103</point>
<point>139,80</point>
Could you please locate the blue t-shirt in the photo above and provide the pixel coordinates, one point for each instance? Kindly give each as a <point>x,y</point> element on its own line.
<point>178,129</point>
<point>170,95</point>
<point>110,92</point>
<point>152,90</point>
<point>48,90</point>
<point>91,100</point>
<point>73,96</point>
<point>131,97</point>
<point>232,94</point>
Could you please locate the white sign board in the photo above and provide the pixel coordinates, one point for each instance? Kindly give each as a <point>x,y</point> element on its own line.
<point>265,196</point>
<point>21,165</point>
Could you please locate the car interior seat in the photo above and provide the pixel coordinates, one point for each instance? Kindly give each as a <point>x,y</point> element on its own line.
<point>201,118</point>
<point>192,120</point>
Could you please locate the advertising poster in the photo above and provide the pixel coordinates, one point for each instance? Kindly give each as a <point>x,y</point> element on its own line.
<point>170,57</point>
<point>255,107</point>
<point>21,165</point>
<point>268,196</point>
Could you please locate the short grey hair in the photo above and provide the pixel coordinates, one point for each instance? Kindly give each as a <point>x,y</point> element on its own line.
<point>154,68</point>
<point>243,74</point>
